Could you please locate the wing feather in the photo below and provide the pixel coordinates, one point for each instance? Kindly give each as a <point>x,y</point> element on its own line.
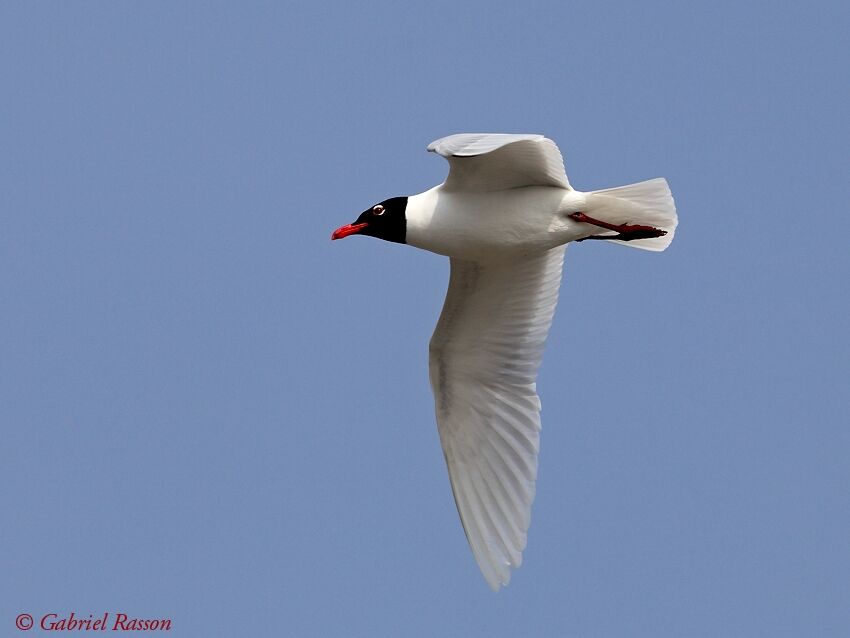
<point>497,161</point>
<point>485,353</point>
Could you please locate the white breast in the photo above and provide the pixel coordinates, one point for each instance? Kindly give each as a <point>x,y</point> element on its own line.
<point>483,225</point>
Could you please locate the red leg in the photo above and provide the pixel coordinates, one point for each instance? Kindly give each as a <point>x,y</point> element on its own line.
<point>627,232</point>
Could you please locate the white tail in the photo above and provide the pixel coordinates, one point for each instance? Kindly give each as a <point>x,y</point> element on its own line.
<point>649,203</point>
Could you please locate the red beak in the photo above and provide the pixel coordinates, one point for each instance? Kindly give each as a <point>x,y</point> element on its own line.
<point>348,229</point>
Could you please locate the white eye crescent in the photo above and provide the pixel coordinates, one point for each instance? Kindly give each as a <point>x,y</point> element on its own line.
<point>378,210</point>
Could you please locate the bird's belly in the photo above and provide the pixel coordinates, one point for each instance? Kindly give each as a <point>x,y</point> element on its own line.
<point>471,241</point>
<point>481,226</point>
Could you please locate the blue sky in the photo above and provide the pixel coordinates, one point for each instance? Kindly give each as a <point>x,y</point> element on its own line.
<point>212,413</point>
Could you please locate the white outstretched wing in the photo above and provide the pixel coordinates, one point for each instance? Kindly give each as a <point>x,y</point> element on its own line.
<point>484,357</point>
<point>496,161</point>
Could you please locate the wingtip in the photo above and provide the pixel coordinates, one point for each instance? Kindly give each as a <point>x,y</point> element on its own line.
<point>497,584</point>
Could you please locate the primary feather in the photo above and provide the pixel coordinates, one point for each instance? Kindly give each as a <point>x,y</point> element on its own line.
<point>484,357</point>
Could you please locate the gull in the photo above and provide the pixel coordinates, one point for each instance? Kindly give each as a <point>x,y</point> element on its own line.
<point>504,216</point>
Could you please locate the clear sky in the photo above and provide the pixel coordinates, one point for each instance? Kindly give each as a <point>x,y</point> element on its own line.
<point>212,413</point>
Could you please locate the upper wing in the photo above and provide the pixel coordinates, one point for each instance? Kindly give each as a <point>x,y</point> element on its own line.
<point>485,353</point>
<point>496,161</point>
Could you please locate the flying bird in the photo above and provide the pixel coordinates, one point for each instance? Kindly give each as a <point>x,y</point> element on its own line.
<point>504,217</point>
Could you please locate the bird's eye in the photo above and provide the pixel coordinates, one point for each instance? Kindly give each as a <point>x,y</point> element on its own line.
<point>378,210</point>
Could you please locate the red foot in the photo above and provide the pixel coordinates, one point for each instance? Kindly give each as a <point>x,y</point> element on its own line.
<point>628,232</point>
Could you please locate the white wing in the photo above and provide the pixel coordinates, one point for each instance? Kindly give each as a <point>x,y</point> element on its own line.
<point>496,161</point>
<point>485,353</point>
